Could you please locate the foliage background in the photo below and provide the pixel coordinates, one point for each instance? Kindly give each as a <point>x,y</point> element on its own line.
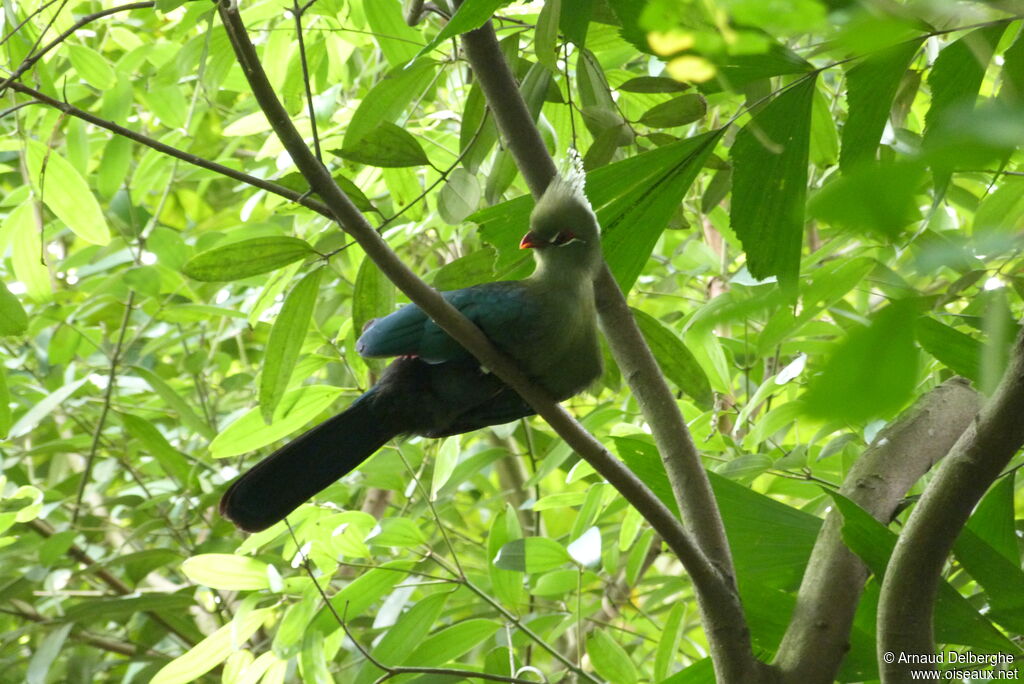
<point>132,393</point>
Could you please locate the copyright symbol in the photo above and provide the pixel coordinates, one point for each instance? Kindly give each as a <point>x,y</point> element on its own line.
<point>888,657</point>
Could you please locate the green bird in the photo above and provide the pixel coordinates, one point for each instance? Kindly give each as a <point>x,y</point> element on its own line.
<point>436,388</point>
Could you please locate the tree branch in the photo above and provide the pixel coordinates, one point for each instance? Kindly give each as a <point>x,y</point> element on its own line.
<point>194,159</point>
<point>724,621</point>
<point>912,578</point>
<point>818,634</point>
<point>709,581</point>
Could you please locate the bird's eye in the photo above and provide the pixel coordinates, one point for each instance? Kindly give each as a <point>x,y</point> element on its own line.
<point>563,238</point>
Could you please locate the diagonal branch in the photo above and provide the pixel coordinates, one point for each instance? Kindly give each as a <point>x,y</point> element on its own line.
<point>705,575</point>
<point>911,580</point>
<point>723,615</point>
<point>818,635</point>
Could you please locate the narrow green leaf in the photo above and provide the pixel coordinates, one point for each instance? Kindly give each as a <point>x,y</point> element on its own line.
<point>285,342</point>
<point>956,620</point>
<point>769,184</point>
<point>668,644</point>
<point>66,193</point>
<point>545,37</point>
<point>576,20</point>
<point>678,111</point>
<point>675,359</point>
<point>459,197</point>
<point>470,15</point>
<point>1003,209</point>
<point>859,382</point>
<point>994,519</point>
<point>20,229</point>
<point>873,197</point>
<point>653,84</point>
<point>824,146</point>
<point>506,584</point>
<point>5,404</point>
<point>397,532</point>
<point>372,297</point>
<point>13,320</point>
<point>386,146</point>
<point>957,350</point>
<point>736,70</point>
<point>45,407</point>
<point>1012,90</point>
<point>226,571</point>
<point>175,401</point>
<point>389,98</point>
<point>955,80</point>
<point>91,66</point>
<point>360,594</point>
<point>397,40</point>
<point>405,635</point>
<point>213,650</point>
<point>44,656</point>
<point>472,269</point>
<point>171,460</point>
<point>871,86</point>
<point>296,408</point>
<point>609,659</point>
<point>444,465</point>
<point>531,555</point>
<point>451,642</point>
<point>1001,578</point>
<point>246,258</point>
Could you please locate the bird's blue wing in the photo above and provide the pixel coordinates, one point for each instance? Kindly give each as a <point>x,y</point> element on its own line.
<point>494,307</point>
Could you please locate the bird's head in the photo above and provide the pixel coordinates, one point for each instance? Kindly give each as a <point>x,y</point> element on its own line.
<point>563,228</point>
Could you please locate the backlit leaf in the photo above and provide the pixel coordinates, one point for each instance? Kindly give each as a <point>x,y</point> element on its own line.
<point>246,258</point>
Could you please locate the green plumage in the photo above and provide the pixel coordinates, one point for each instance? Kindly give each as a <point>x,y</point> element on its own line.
<point>546,323</point>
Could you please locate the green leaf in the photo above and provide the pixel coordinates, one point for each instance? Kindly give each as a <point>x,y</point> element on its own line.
<point>955,81</point>
<point>19,227</point>
<point>459,197</point>
<point>175,401</point>
<point>959,351</point>
<point>5,404</point>
<point>386,146</point>
<point>668,643</point>
<point>213,650</point>
<point>531,555</point>
<point>246,258</point>
<point>506,584</point>
<point>609,659</point>
<point>471,14</point>
<point>545,37</point>
<point>444,465</point>
<point>871,86</point>
<point>994,519</point>
<point>653,84</point>
<point>472,269</point>
<point>373,296</point>
<point>171,460</point>
<point>575,20</point>
<point>675,359</point>
<point>736,71</point>
<point>46,653</point>
<point>226,571</point>
<point>91,66</point>
<point>66,193</point>
<point>824,146</point>
<point>873,197</point>
<point>405,635</point>
<point>956,620</point>
<point>397,532</point>
<point>769,184</point>
<point>678,111</point>
<point>634,200</point>
<point>45,407</point>
<point>389,98</point>
<point>285,342</point>
<point>451,642</point>
<point>250,432</point>
<point>360,594</point>
<point>1003,209</point>
<point>397,40</point>
<point>13,320</point>
<point>872,372</point>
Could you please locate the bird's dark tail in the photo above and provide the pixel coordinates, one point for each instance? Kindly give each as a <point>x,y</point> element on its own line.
<point>278,484</point>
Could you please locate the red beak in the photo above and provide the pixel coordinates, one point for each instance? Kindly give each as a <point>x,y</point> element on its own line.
<point>532,241</point>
